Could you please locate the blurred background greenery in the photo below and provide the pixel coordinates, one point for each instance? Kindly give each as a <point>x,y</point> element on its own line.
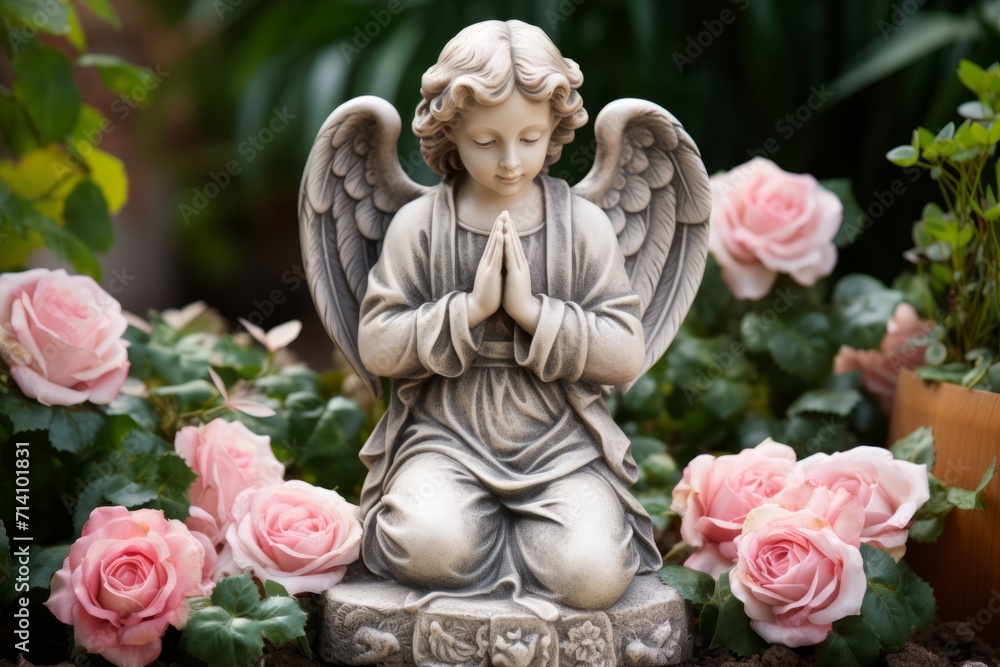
<point>215,155</point>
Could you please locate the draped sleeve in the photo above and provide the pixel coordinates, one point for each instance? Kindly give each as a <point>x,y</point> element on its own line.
<point>596,336</point>
<point>404,331</point>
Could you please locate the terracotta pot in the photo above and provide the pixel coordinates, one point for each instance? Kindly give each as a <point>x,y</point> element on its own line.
<point>963,566</point>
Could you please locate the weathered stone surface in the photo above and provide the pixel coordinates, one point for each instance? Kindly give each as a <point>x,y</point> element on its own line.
<point>364,622</point>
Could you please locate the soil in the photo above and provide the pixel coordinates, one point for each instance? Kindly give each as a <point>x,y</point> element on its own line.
<point>945,645</point>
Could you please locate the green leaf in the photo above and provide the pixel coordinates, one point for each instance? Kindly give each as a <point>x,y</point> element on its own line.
<point>43,82</point>
<point>852,212</point>
<point>25,414</point>
<point>50,17</point>
<point>918,597</point>
<point>87,217</point>
<point>902,156</point>
<point>734,630</point>
<point>899,47</point>
<point>831,401</point>
<point>74,430</point>
<point>952,372</point>
<point>965,499</point>
<point>103,10</point>
<point>120,76</point>
<point>45,561</point>
<point>15,129</point>
<point>726,398</point>
<point>853,642</point>
<point>801,347</point>
<point>273,589</point>
<point>643,400</point>
<point>645,446</point>
<point>863,306</point>
<point>927,530</point>
<point>691,584</point>
<point>917,447</point>
<point>124,492</point>
<point>970,74</point>
<point>232,631</point>
<point>881,605</point>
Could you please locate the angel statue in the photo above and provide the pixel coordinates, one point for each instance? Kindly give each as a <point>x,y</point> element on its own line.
<point>502,302</point>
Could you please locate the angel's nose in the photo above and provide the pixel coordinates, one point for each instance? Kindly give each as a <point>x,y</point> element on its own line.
<point>510,160</point>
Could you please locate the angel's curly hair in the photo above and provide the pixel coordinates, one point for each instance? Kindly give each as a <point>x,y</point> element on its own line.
<point>475,68</point>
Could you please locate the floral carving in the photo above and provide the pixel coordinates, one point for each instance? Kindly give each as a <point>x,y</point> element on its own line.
<point>585,644</point>
<point>514,650</point>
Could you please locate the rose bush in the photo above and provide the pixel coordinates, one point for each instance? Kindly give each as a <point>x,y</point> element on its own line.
<point>61,336</point>
<point>796,574</point>
<point>294,533</point>
<point>767,221</point>
<point>228,459</point>
<point>898,350</point>
<point>890,491</point>
<point>126,578</point>
<point>716,494</point>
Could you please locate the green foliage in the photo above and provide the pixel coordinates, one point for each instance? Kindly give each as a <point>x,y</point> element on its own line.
<point>232,630</point>
<point>723,622</point>
<point>690,584</point>
<point>958,247</point>
<point>853,642</point>
<point>60,189</point>
<point>6,581</point>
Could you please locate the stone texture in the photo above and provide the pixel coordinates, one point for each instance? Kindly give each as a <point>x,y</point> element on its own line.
<point>364,623</point>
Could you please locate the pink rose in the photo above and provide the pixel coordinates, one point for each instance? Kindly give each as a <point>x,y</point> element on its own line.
<point>228,458</point>
<point>715,495</point>
<point>880,368</point>
<point>61,336</point>
<point>795,575</point>
<point>890,491</point>
<point>126,579</point>
<point>299,535</point>
<point>767,221</point>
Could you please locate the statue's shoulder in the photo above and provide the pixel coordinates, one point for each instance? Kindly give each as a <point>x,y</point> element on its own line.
<point>414,217</point>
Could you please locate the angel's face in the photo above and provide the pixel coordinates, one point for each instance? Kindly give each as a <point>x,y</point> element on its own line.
<point>503,146</point>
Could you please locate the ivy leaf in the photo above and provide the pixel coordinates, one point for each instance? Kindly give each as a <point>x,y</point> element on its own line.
<point>853,642</point>
<point>87,217</point>
<point>232,631</point>
<point>689,583</point>
<point>829,401</point>
<point>917,447</point>
<point>74,430</point>
<point>862,306</point>
<point>882,606</point>
<point>43,83</point>
<point>801,347</point>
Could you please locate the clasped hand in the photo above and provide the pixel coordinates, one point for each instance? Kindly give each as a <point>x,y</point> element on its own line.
<point>493,289</point>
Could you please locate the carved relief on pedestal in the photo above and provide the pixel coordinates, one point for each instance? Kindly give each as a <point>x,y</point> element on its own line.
<point>586,640</point>
<point>522,641</point>
<point>365,636</point>
<point>440,641</point>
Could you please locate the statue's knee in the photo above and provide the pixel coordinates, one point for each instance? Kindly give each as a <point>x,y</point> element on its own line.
<point>589,576</point>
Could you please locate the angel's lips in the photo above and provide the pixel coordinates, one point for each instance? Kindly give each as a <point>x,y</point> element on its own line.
<point>511,179</point>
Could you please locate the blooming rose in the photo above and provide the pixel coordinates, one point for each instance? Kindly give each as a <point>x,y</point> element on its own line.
<point>715,495</point>
<point>126,579</point>
<point>796,575</point>
<point>294,533</point>
<point>61,335</point>
<point>880,368</point>
<point>767,221</point>
<point>890,490</point>
<point>228,458</point>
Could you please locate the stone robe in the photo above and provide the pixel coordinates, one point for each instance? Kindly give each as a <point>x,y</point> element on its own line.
<point>497,461</point>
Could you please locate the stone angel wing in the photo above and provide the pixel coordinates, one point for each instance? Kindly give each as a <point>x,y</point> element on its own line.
<point>352,186</point>
<point>649,178</point>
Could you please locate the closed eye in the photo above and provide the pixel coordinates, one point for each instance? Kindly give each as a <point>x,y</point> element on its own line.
<point>530,141</point>
<point>485,144</point>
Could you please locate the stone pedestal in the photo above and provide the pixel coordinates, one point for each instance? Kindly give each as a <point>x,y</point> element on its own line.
<point>364,623</point>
